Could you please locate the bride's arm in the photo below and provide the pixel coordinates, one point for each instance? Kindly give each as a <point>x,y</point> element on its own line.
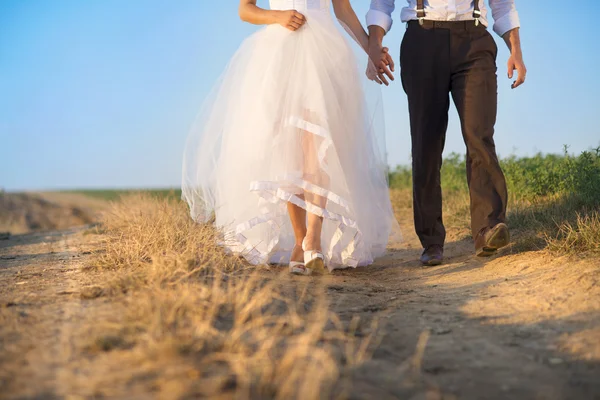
<point>345,13</point>
<point>250,12</point>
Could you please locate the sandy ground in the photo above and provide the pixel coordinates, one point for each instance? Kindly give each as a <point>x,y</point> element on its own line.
<point>517,326</point>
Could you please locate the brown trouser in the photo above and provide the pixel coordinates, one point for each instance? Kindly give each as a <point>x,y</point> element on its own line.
<point>436,60</point>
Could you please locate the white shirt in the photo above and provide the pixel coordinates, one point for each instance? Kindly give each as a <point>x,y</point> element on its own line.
<point>504,12</point>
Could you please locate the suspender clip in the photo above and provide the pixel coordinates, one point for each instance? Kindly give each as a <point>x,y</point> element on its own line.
<point>420,11</point>
<point>421,15</point>
<point>476,15</point>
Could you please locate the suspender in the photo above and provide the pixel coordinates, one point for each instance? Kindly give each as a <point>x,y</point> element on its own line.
<point>476,12</point>
<point>421,11</point>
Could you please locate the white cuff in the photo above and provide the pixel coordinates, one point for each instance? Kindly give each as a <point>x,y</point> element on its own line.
<point>507,23</point>
<point>379,18</point>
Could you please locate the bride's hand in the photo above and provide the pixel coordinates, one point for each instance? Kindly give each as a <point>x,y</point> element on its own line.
<point>291,19</point>
<point>372,73</point>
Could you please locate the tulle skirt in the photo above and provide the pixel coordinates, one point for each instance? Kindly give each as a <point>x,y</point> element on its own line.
<point>289,122</point>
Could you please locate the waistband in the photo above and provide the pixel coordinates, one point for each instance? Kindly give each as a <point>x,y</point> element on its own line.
<point>453,25</point>
<point>299,5</point>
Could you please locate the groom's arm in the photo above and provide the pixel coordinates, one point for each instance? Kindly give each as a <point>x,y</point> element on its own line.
<point>379,21</point>
<point>515,61</point>
<point>380,14</point>
<point>507,26</point>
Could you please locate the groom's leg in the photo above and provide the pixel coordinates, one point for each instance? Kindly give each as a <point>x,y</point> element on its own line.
<point>474,90</point>
<point>425,70</point>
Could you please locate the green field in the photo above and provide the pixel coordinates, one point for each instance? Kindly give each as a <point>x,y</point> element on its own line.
<point>528,178</point>
<point>116,194</point>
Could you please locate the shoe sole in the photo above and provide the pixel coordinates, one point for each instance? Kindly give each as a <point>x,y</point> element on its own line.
<point>432,263</point>
<point>316,267</point>
<point>499,238</point>
<point>300,271</point>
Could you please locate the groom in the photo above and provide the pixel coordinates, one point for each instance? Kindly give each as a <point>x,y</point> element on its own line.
<point>447,50</point>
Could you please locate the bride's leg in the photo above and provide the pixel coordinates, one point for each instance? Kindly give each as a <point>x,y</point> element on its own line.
<point>298,219</point>
<point>315,222</point>
<point>313,234</point>
<point>315,175</point>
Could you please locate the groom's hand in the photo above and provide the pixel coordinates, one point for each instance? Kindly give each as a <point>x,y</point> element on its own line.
<point>382,63</point>
<point>515,61</point>
<point>379,55</point>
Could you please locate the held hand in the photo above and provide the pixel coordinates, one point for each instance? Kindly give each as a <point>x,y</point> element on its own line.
<point>372,72</point>
<point>291,19</point>
<point>515,62</point>
<point>381,63</point>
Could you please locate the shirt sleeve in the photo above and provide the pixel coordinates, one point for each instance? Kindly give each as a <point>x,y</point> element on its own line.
<point>505,16</point>
<point>380,14</point>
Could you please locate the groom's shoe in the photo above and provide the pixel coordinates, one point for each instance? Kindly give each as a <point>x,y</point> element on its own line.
<point>433,255</point>
<point>489,240</point>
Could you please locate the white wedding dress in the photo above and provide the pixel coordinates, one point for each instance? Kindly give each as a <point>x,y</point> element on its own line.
<point>289,122</point>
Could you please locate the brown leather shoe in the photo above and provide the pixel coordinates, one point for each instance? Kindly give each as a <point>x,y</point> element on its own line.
<point>433,255</point>
<point>490,240</point>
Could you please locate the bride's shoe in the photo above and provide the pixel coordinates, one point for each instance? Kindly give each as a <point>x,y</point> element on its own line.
<point>298,268</point>
<point>314,261</point>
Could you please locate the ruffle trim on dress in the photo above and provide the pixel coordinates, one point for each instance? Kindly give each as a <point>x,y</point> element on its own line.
<point>273,193</point>
<point>315,129</point>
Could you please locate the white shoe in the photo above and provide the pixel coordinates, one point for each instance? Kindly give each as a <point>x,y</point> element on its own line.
<point>298,268</point>
<point>314,261</point>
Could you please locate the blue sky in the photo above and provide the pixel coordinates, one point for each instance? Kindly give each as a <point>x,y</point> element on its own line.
<point>101,93</point>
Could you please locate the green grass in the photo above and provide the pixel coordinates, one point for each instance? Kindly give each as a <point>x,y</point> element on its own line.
<point>554,196</point>
<point>116,194</point>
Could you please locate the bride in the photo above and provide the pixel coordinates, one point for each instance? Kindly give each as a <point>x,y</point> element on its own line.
<point>288,156</point>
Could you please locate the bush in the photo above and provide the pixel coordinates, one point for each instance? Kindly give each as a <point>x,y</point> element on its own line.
<point>527,177</point>
<point>549,194</point>
<point>540,176</point>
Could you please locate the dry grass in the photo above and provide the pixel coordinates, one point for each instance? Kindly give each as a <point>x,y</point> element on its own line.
<point>581,237</point>
<point>550,222</point>
<point>197,322</point>
<point>455,209</point>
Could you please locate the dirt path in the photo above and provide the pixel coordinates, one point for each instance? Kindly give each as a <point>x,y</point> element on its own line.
<point>30,212</point>
<point>518,326</point>
<point>40,309</point>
